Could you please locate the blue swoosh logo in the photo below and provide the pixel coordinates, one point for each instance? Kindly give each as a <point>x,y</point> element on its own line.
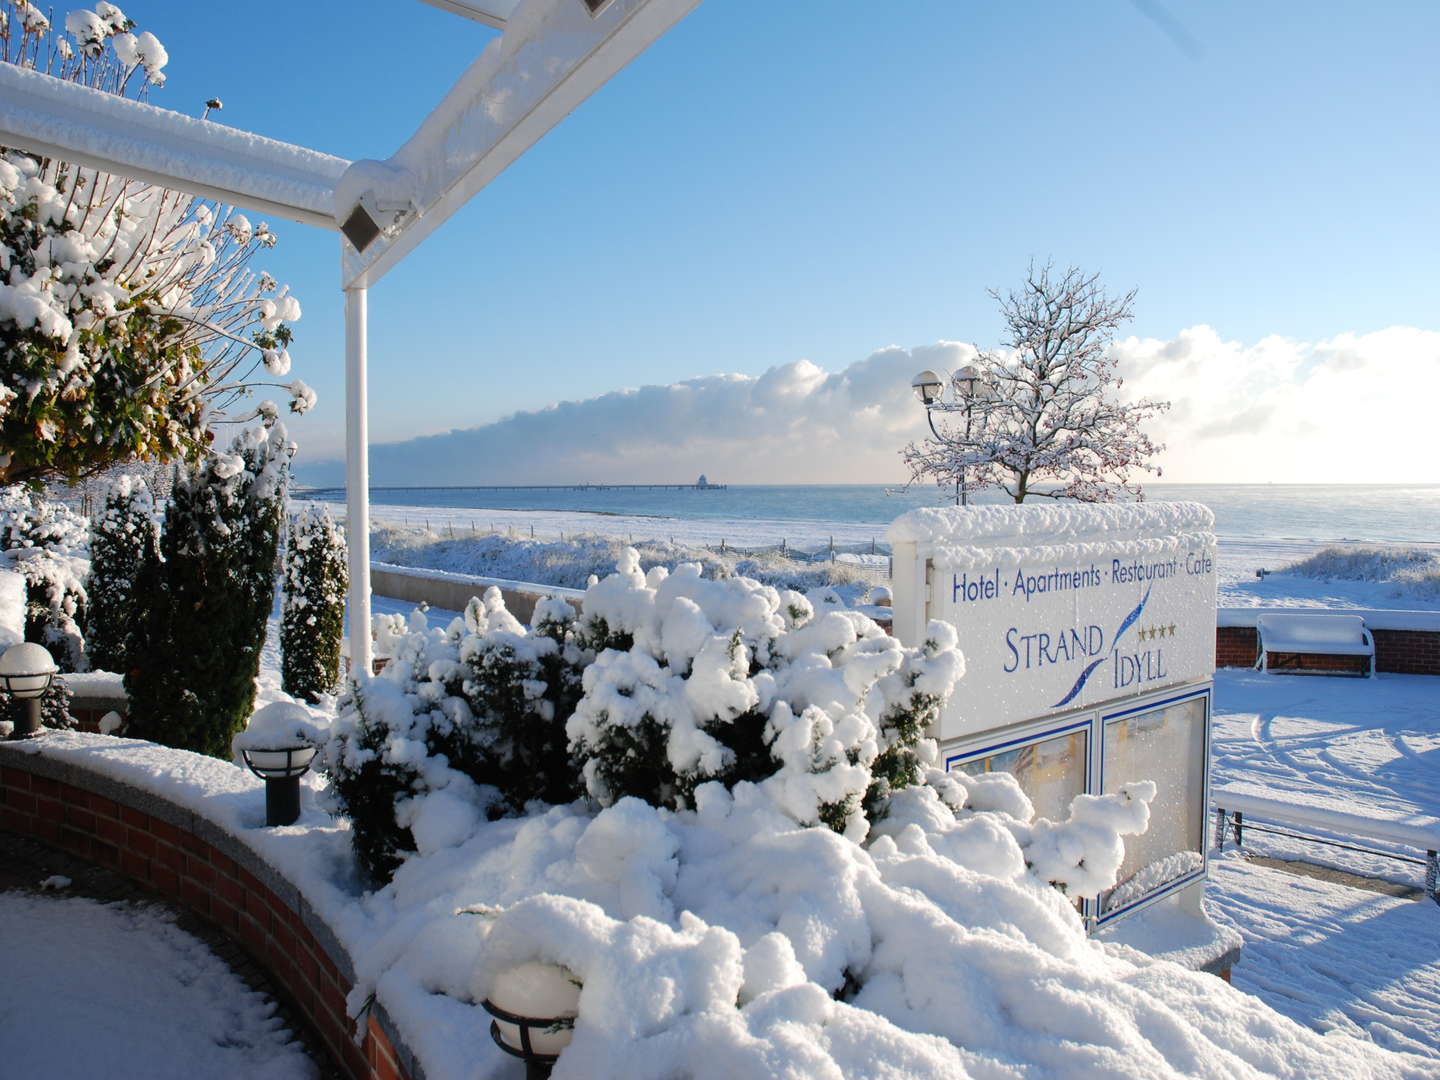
<point>1128,622</point>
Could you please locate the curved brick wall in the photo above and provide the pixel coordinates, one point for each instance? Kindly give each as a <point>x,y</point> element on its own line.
<point>192,862</point>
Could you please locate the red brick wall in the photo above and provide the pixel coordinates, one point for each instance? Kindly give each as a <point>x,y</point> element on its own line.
<point>1235,646</point>
<point>187,867</point>
<point>1410,652</point>
<point>1415,652</point>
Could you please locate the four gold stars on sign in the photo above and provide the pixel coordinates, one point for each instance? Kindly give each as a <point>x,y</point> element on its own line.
<point>1153,632</point>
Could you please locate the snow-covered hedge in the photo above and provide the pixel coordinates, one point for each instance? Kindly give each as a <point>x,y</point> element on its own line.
<point>463,723</point>
<point>665,682</point>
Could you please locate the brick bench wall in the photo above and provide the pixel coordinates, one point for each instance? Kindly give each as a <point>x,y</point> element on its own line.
<point>191,862</point>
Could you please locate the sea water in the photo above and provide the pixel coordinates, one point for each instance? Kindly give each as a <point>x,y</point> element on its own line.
<point>1378,512</point>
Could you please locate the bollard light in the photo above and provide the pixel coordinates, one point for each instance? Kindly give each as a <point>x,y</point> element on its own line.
<point>534,1006</point>
<point>26,671</point>
<point>281,769</point>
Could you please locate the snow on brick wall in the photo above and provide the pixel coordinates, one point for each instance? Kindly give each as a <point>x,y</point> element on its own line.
<point>169,850</point>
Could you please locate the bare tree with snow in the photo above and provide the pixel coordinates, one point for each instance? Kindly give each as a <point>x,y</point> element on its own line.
<point>1041,415</point>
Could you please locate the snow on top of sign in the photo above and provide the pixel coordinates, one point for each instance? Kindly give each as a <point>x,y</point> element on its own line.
<point>68,114</point>
<point>1049,524</point>
<point>959,556</point>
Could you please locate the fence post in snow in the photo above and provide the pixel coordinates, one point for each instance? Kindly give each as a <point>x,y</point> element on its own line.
<point>1432,873</point>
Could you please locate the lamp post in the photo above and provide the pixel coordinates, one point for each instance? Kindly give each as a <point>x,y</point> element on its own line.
<point>281,769</point>
<point>930,389</point>
<point>26,671</point>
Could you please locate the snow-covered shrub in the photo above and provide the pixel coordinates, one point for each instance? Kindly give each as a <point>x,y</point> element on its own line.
<point>313,620</point>
<point>463,723</point>
<point>46,544</point>
<point>664,683</point>
<point>130,321</point>
<point>208,600</point>
<point>124,539</point>
<point>1411,570</point>
<point>734,681</point>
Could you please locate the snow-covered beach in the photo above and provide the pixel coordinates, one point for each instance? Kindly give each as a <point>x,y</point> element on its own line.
<point>440,532</point>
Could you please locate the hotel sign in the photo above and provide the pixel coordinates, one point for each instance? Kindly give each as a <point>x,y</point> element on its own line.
<point>1059,607</point>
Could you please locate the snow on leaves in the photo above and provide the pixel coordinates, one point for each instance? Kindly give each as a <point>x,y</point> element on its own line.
<point>130,321</point>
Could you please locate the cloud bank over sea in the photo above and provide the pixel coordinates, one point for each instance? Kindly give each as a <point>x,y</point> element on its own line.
<point>1351,409</point>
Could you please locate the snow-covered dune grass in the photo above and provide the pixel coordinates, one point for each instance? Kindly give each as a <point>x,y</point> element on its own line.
<point>570,562</point>
<point>1405,570</point>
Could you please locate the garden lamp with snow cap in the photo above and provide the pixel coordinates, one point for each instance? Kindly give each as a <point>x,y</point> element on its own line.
<point>281,769</point>
<point>26,671</point>
<point>534,1006</point>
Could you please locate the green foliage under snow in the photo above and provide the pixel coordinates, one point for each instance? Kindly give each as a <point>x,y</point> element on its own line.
<point>312,623</point>
<point>124,538</point>
<point>207,601</point>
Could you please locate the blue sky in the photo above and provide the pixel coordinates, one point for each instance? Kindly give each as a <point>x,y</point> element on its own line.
<point>783,182</point>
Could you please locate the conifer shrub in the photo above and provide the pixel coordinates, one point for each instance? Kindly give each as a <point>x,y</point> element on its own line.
<point>124,538</point>
<point>664,682</point>
<point>313,619</point>
<point>208,597</point>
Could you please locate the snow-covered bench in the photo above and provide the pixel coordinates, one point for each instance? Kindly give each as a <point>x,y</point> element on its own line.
<point>1291,638</point>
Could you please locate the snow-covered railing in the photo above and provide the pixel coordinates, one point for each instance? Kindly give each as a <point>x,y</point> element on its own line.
<point>452,591</point>
<point>1232,807</point>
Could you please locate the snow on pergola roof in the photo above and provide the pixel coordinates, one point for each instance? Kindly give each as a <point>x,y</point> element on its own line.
<point>550,56</point>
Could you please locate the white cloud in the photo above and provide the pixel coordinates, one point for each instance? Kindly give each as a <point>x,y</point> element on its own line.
<point>1355,408</point>
<point>796,423</point>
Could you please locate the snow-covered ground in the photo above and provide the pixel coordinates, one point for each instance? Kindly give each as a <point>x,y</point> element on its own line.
<point>118,990</point>
<point>1334,958</point>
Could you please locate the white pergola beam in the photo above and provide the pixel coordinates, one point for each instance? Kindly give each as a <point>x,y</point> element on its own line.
<point>553,55</point>
<point>490,12</point>
<point>56,118</point>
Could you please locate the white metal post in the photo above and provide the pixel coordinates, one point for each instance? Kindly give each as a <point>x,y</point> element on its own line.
<point>357,482</point>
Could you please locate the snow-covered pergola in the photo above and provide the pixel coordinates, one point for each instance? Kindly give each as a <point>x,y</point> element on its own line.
<point>550,56</point>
